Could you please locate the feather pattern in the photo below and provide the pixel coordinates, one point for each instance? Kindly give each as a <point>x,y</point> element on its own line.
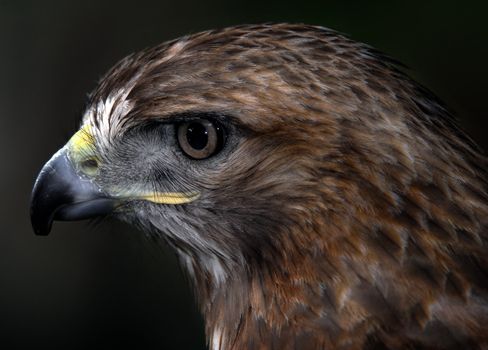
<point>352,213</point>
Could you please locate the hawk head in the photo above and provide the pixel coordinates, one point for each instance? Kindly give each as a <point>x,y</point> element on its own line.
<point>316,196</point>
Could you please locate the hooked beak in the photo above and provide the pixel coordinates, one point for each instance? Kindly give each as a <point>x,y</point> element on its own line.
<point>60,193</point>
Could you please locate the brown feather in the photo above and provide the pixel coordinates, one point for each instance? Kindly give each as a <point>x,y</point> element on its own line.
<point>356,209</point>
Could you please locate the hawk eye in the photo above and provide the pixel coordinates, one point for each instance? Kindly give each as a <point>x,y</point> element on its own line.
<point>200,139</point>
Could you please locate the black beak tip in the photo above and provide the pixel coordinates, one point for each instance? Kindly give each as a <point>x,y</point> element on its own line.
<point>41,223</point>
<point>42,230</point>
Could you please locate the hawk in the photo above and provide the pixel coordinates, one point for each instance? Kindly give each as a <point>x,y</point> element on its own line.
<point>315,195</point>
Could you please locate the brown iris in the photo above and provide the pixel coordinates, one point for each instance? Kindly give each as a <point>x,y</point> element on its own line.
<point>199,139</point>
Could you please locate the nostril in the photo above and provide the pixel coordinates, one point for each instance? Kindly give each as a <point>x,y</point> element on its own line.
<point>89,166</point>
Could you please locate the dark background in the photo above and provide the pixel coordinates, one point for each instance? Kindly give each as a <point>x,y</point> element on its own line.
<point>108,286</point>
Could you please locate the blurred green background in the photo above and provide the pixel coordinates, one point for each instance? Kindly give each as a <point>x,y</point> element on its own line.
<point>108,286</point>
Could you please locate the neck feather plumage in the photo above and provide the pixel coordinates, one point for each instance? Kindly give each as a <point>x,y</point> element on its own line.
<point>258,308</point>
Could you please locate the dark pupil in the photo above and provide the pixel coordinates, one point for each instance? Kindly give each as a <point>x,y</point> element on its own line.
<point>197,136</point>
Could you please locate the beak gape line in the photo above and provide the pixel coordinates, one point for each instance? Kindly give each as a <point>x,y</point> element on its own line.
<point>65,189</point>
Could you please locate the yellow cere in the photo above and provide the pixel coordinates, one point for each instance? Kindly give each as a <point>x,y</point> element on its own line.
<point>169,197</point>
<point>83,141</point>
<point>82,151</point>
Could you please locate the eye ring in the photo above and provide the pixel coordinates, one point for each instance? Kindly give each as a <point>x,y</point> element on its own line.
<point>200,139</point>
